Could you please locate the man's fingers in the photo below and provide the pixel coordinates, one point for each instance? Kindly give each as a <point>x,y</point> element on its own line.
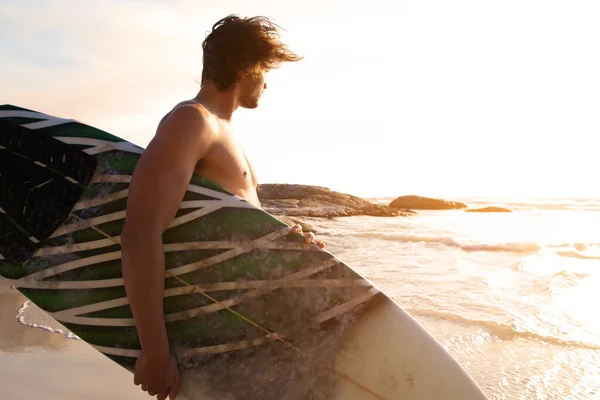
<point>136,374</point>
<point>309,237</point>
<point>162,396</point>
<point>152,394</point>
<point>174,388</point>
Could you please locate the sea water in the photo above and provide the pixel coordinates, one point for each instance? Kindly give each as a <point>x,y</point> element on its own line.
<point>515,297</point>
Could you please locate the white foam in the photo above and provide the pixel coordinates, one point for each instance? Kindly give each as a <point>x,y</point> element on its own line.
<point>29,312</point>
<point>466,245</point>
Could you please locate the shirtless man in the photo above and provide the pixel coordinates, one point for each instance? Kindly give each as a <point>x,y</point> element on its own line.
<point>196,136</point>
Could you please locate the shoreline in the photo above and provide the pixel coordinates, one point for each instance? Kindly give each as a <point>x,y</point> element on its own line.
<point>60,368</point>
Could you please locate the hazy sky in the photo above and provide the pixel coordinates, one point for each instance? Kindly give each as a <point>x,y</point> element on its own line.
<point>441,98</point>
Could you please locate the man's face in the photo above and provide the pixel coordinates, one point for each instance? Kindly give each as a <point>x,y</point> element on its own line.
<point>251,88</point>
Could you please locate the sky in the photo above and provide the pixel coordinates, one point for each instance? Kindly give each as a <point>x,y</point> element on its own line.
<point>435,98</point>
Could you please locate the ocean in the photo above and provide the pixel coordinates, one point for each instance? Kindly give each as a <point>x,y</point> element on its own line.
<point>512,296</point>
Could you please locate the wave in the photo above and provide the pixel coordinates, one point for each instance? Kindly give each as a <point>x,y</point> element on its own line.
<point>22,318</point>
<point>547,203</point>
<point>504,331</point>
<point>567,250</point>
<point>517,247</point>
<point>565,203</point>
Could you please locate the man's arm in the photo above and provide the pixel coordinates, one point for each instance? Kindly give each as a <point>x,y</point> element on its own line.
<point>157,187</point>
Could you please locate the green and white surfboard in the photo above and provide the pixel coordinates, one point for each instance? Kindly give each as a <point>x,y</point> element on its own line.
<point>252,311</point>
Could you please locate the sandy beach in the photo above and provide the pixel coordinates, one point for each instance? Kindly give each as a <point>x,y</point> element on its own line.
<point>36,364</point>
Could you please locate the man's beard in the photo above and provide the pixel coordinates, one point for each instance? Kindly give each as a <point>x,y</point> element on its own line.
<point>250,101</point>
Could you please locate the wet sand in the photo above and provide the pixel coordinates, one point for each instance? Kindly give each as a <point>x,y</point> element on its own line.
<point>36,364</point>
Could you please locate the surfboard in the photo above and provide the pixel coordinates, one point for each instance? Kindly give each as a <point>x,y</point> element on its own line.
<point>252,312</point>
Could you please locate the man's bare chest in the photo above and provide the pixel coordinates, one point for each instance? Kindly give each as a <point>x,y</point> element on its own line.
<point>227,163</point>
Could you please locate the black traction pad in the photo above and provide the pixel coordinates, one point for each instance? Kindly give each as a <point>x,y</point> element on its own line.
<point>41,179</point>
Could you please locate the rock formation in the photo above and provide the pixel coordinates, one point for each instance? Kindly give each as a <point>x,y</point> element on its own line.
<point>489,209</point>
<point>315,201</point>
<point>425,203</point>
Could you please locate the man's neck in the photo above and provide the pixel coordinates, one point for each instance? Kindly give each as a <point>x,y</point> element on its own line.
<point>220,103</point>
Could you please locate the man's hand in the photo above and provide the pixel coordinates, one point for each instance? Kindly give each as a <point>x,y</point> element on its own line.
<point>158,375</point>
<point>308,237</point>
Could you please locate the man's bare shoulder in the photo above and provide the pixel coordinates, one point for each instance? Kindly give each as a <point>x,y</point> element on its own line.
<point>185,113</point>
<point>186,128</point>
<point>188,122</point>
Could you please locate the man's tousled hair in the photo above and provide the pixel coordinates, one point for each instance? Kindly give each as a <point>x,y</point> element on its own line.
<point>238,46</point>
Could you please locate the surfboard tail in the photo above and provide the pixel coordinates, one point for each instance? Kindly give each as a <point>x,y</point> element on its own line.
<point>41,179</point>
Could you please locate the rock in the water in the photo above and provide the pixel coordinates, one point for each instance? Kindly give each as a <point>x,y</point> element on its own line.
<point>489,209</point>
<point>425,203</point>
<point>316,201</point>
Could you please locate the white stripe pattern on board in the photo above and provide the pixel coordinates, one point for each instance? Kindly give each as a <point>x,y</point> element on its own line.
<point>97,145</point>
<point>73,248</point>
<point>35,280</point>
<point>214,193</point>
<point>190,352</point>
<point>191,187</point>
<point>211,308</point>
<point>170,247</point>
<point>48,123</point>
<point>85,224</point>
<point>68,266</point>
<point>71,285</point>
<point>122,146</point>
<point>223,200</point>
<point>223,348</point>
<point>24,114</point>
<point>220,286</point>
<point>47,120</point>
<point>184,219</point>
<point>100,146</point>
<point>184,205</point>
<point>347,306</point>
<point>184,269</point>
<point>98,201</point>
<point>119,215</point>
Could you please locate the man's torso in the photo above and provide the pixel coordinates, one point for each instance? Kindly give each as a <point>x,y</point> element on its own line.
<point>225,162</point>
